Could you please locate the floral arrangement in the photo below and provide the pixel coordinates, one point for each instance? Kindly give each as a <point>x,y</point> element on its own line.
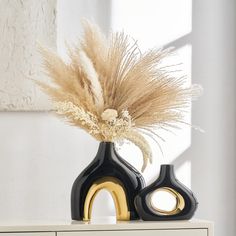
<point>115,92</point>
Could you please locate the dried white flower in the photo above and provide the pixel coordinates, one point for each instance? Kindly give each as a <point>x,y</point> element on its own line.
<point>109,115</point>
<point>77,113</point>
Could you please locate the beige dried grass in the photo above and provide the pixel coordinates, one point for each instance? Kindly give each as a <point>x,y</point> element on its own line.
<point>110,73</point>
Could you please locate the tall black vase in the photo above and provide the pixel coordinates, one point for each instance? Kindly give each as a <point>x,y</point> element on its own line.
<point>107,171</point>
<point>186,203</point>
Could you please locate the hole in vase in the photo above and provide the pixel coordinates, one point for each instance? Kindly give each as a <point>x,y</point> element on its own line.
<point>103,205</point>
<point>163,201</point>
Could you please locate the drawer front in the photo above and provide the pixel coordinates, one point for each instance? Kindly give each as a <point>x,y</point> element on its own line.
<point>28,234</point>
<point>182,232</point>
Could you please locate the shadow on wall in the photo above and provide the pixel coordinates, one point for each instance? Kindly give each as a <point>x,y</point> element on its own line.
<point>212,154</point>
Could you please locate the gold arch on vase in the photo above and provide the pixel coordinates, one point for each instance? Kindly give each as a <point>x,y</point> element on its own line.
<point>116,189</point>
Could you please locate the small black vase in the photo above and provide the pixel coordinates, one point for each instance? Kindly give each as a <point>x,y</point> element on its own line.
<point>107,171</point>
<point>186,203</point>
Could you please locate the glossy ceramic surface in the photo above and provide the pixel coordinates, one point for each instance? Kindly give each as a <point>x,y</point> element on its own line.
<point>186,203</point>
<point>107,165</point>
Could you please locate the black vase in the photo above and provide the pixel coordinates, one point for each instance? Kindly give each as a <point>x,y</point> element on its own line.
<point>107,171</point>
<point>186,203</point>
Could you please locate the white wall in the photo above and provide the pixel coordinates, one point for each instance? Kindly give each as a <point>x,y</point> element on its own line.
<point>213,154</point>
<point>40,156</point>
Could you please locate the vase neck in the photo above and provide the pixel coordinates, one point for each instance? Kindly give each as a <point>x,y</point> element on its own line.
<point>167,172</point>
<point>106,151</point>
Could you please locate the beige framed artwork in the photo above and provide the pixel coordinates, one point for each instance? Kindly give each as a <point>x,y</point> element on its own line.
<point>21,30</point>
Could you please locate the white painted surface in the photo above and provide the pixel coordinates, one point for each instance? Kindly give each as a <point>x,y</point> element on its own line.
<point>107,224</point>
<point>23,24</point>
<point>212,155</point>
<point>195,232</point>
<point>28,234</point>
<point>40,157</point>
<point>69,16</point>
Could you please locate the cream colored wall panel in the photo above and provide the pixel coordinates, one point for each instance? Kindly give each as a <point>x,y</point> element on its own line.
<point>185,232</point>
<point>24,23</point>
<point>28,234</point>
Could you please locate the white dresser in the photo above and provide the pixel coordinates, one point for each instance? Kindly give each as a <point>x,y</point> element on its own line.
<point>108,227</point>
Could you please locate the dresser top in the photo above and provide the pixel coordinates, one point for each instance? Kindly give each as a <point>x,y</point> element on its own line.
<point>108,223</point>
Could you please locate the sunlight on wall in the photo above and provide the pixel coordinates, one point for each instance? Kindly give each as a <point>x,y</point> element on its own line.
<point>184,173</point>
<point>69,16</point>
<point>178,141</point>
<point>156,23</point>
<point>152,22</point>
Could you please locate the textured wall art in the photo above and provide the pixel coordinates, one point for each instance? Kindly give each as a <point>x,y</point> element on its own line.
<point>22,25</point>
